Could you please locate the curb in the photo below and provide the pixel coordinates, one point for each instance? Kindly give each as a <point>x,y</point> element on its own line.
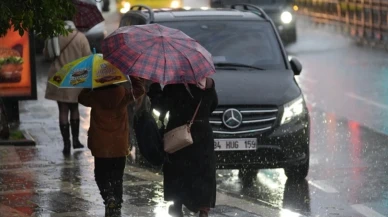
<point>28,141</point>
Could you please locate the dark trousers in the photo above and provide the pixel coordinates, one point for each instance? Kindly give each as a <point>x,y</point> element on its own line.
<point>108,173</point>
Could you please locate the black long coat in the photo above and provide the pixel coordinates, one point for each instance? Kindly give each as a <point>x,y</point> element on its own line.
<point>190,174</point>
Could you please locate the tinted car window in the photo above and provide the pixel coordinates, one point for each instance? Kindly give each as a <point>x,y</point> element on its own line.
<point>244,42</point>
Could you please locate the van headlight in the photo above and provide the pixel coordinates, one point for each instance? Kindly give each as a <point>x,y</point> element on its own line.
<point>157,114</point>
<point>292,110</point>
<point>286,17</point>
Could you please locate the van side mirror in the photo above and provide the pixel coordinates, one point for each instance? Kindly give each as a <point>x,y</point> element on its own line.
<point>296,66</point>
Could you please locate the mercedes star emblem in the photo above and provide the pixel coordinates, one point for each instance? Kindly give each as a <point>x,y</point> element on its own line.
<point>232,118</point>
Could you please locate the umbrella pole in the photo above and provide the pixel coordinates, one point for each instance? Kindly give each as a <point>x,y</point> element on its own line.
<point>94,52</point>
<point>131,87</point>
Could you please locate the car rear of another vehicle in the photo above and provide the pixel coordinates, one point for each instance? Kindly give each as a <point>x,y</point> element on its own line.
<point>280,11</point>
<point>95,36</point>
<point>123,6</point>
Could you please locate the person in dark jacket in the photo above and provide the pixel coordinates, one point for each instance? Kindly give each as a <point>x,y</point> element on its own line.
<point>108,137</point>
<point>190,173</point>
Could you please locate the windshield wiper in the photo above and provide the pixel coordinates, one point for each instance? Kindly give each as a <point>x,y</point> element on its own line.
<point>226,64</point>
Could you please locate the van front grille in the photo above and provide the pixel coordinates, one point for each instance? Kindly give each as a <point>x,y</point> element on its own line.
<point>249,120</point>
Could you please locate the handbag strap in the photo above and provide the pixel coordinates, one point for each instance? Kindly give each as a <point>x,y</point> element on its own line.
<point>195,113</point>
<point>64,48</point>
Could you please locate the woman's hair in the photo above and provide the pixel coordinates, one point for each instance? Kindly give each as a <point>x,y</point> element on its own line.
<point>133,18</point>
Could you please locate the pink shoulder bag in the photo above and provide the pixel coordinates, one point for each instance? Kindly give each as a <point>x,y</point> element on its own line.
<point>180,137</point>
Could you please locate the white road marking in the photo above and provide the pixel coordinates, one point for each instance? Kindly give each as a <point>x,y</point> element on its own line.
<point>367,101</point>
<point>366,211</point>
<point>323,185</point>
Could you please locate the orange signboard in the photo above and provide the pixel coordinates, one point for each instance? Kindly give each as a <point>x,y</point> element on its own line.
<point>17,66</point>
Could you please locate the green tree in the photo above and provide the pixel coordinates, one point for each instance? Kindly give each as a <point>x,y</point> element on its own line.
<point>45,17</point>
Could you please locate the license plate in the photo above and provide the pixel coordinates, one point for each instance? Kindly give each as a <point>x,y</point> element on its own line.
<point>235,144</point>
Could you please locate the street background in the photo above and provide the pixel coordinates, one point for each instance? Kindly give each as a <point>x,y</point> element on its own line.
<point>346,89</point>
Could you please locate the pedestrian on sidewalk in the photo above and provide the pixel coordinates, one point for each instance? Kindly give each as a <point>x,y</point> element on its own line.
<point>63,50</point>
<point>108,137</point>
<point>190,173</point>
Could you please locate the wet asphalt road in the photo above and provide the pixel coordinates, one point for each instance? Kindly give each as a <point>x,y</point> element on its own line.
<point>346,89</point>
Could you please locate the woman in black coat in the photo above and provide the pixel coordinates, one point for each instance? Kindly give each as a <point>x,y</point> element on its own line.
<point>190,173</point>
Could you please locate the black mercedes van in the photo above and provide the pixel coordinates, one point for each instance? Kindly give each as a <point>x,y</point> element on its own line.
<point>262,120</point>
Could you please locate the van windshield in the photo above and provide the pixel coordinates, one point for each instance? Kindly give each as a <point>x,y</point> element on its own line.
<point>250,43</point>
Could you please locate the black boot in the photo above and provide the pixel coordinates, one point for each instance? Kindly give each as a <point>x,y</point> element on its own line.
<point>117,191</point>
<point>109,179</point>
<point>65,131</point>
<point>75,133</point>
<point>104,184</point>
<point>113,202</point>
<point>112,208</point>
